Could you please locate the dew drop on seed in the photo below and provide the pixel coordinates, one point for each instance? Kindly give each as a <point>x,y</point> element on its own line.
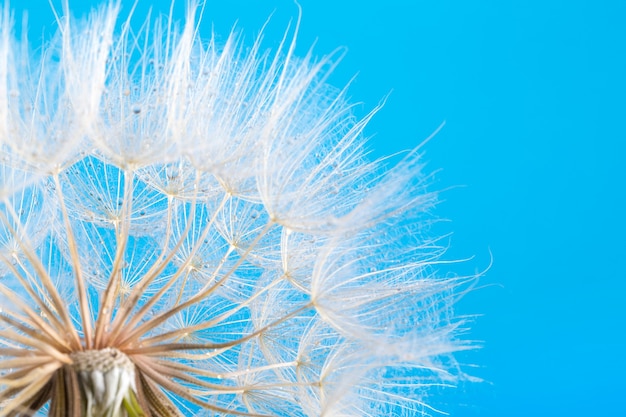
<point>136,109</point>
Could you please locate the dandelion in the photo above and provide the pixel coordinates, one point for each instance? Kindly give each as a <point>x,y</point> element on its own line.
<point>189,228</point>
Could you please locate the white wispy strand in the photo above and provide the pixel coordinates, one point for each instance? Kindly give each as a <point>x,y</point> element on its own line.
<point>189,228</point>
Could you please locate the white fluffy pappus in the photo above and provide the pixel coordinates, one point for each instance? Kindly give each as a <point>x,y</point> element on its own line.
<point>189,228</point>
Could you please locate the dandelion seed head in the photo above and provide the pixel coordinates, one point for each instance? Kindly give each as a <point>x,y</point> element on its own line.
<point>193,228</point>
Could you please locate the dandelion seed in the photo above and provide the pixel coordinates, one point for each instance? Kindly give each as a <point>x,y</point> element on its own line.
<point>187,229</point>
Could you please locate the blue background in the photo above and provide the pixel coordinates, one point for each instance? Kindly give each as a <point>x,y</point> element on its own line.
<point>532,155</point>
